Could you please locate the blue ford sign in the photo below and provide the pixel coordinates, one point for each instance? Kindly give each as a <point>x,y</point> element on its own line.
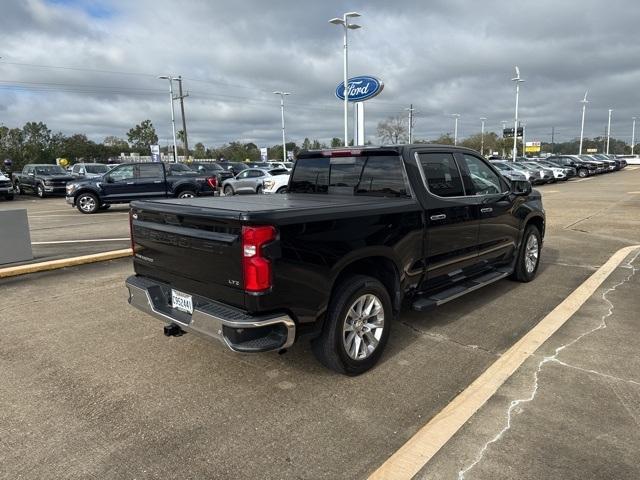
<point>360,88</point>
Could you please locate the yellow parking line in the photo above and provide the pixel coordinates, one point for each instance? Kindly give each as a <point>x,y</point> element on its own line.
<point>65,262</point>
<point>419,449</point>
<point>633,193</point>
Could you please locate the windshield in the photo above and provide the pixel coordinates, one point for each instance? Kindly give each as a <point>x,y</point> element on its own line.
<point>96,168</point>
<point>179,168</point>
<point>380,175</point>
<point>206,167</point>
<point>502,166</point>
<point>50,170</point>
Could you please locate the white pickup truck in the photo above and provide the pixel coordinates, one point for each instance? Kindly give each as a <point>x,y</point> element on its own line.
<point>6,187</point>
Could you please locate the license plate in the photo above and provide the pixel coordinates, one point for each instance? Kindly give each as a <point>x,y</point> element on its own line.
<point>181,301</point>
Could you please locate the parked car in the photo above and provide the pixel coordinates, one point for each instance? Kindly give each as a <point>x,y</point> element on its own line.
<point>545,174</point>
<point>234,167</point>
<point>277,182</point>
<point>6,187</point>
<point>336,258</point>
<point>533,173</point>
<point>509,172</point>
<point>285,165</point>
<point>569,172</point>
<point>600,166</point>
<point>557,172</point>
<point>583,169</point>
<point>88,170</point>
<point>259,165</point>
<point>213,170</point>
<point>630,159</point>
<point>250,180</point>
<point>41,179</point>
<point>134,181</point>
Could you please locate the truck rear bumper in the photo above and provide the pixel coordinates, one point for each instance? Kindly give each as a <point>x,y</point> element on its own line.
<point>235,328</point>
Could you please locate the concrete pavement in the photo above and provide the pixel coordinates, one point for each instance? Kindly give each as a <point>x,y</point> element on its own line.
<point>92,388</point>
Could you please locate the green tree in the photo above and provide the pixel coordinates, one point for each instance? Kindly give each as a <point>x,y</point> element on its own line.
<point>200,151</point>
<point>36,142</point>
<point>445,139</point>
<point>141,136</point>
<point>116,143</point>
<point>336,142</point>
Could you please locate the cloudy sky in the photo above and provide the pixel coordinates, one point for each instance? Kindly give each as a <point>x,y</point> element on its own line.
<point>91,66</point>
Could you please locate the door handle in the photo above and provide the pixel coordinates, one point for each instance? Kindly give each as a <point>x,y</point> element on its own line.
<point>486,210</point>
<point>131,183</point>
<point>441,216</point>
<point>157,181</point>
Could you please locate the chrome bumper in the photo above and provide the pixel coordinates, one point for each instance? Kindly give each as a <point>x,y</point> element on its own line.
<point>212,319</point>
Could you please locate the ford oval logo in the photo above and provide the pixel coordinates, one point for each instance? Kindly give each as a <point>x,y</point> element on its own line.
<point>360,88</point>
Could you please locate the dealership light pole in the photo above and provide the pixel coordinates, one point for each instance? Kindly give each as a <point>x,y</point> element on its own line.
<point>482,119</point>
<point>344,21</point>
<point>456,116</point>
<point>410,110</point>
<point>284,143</point>
<point>584,102</point>
<point>609,130</point>
<point>517,81</point>
<point>173,116</point>
<point>633,134</point>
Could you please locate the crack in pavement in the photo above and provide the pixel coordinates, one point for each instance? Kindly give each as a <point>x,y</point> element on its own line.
<point>554,358</point>
<point>595,372</point>
<point>438,337</point>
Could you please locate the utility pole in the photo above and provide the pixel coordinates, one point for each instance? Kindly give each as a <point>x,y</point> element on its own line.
<point>284,142</point>
<point>456,116</point>
<point>410,110</point>
<point>609,130</point>
<point>482,119</point>
<point>184,121</point>
<point>517,81</point>
<point>584,102</point>
<point>553,143</point>
<point>173,117</point>
<point>633,134</point>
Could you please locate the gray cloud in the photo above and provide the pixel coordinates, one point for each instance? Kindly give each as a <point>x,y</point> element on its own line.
<point>443,56</point>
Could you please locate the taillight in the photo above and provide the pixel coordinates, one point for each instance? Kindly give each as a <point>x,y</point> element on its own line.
<point>133,243</point>
<point>256,268</point>
<point>213,182</point>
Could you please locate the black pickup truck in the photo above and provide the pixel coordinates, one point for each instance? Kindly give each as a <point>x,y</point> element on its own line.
<point>41,179</point>
<point>361,232</point>
<point>135,181</point>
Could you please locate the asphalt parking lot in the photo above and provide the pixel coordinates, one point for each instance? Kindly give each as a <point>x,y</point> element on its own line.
<point>92,388</point>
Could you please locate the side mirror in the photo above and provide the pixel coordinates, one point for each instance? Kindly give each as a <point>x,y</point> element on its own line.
<point>521,187</point>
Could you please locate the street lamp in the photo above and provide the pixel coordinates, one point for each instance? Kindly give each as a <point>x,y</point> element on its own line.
<point>344,21</point>
<point>284,143</point>
<point>609,130</point>
<point>482,119</point>
<point>584,102</point>
<point>456,116</point>
<point>633,134</point>
<point>517,81</point>
<point>173,117</point>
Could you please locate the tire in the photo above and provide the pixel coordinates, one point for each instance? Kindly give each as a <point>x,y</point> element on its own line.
<point>40,191</point>
<point>583,172</point>
<point>228,190</point>
<point>186,194</point>
<point>282,190</point>
<point>335,346</point>
<point>528,259</point>
<point>8,196</point>
<point>87,203</point>
<point>259,189</point>
<point>16,189</point>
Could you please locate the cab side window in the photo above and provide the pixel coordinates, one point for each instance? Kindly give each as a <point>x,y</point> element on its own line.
<point>442,174</point>
<point>484,181</point>
<point>122,174</point>
<point>150,171</point>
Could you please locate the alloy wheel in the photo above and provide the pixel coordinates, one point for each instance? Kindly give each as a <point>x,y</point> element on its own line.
<point>87,203</point>
<point>532,251</point>
<point>363,327</point>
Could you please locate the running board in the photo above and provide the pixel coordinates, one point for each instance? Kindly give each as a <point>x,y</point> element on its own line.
<point>422,304</point>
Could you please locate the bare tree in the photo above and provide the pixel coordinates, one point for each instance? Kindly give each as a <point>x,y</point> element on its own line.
<point>393,130</point>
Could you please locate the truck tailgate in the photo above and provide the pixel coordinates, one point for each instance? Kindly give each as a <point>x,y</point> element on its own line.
<point>194,253</point>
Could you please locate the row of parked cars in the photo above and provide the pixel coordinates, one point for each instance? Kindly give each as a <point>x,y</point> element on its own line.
<point>557,167</point>
<point>93,186</point>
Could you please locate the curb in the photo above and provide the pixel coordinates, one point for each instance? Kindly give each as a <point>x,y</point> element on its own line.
<point>64,262</point>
